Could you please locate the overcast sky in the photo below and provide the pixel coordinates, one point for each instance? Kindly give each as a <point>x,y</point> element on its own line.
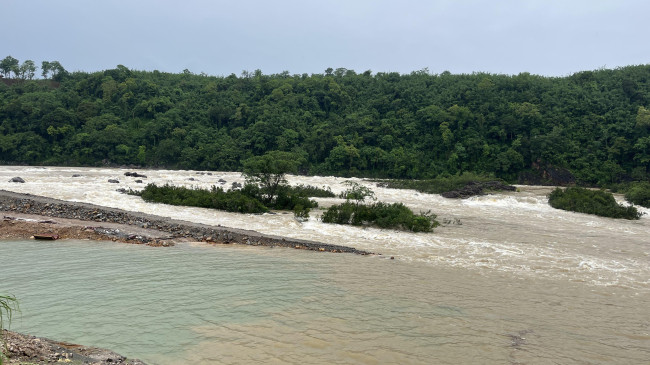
<point>546,37</point>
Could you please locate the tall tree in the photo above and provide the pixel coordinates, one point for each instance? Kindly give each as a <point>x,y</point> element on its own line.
<point>269,170</point>
<point>9,64</point>
<point>45,68</point>
<point>27,70</point>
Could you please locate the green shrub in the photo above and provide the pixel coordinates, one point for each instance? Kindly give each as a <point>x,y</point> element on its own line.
<point>639,194</point>
<point>247,200</point>
<point>382,215</point>
<point>216,198</point>
<point>596,202</point>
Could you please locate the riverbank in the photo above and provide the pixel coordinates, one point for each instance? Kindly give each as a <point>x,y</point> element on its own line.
<point>25,349</point>
<point>28,212</point>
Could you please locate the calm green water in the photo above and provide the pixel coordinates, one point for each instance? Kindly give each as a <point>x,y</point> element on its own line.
<point>198,304</point>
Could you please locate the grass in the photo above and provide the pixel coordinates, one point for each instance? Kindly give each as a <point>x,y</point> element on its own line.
<point>8,305</point>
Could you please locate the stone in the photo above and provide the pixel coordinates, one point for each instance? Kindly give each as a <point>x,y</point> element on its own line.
<point>17,179</point>
<point>113,181</point>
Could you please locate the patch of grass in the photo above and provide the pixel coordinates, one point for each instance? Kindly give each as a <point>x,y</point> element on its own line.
<point>596,202</point>
<point>8,305</point>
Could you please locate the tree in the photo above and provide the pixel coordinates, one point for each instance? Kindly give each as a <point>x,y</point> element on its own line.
<point>27,70</point>
<point>643,118</point>
<point>357,192</point>
<point>9,64</point>
<point>54,68</point>
<point>269,171</point>
<point>45,68</point>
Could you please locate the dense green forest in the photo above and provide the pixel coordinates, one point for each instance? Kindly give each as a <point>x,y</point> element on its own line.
<point>596,124</point>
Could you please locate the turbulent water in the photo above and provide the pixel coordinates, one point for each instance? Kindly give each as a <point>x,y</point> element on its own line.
<point>507,279</point>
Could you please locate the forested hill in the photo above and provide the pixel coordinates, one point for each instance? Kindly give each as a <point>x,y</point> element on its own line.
<point>594,123</point>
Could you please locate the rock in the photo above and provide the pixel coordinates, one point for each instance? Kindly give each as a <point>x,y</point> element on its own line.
<point>192,179</point>
<point>222,181</point>
<point>76,175</point>
<point>546,174</point>
<point>113,181</point>
<point>135,174</point>
<point>139,181</point>
<point>17,179</point>
<point>236,185</point>
<point>477,188</point>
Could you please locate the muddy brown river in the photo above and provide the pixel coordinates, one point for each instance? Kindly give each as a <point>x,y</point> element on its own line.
<point>506,280</point>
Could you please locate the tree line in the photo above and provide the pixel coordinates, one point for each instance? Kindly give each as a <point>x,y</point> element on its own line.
<point>27,69</point>
<point>387,125</point>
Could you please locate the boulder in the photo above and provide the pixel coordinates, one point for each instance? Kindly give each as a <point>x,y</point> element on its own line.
<point>113,181</point>
<point>135,174</point>
<point>477,188</point>
<point>17,179</point>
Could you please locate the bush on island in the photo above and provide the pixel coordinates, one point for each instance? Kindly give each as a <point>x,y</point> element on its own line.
<point>379,214</point>
<point>639,194</point>
<point>596,202</point>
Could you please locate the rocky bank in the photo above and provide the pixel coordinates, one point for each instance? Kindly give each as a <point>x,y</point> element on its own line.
<point>25,349</point>
<point>132,224</point>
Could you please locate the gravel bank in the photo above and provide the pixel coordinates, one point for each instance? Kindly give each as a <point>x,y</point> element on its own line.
<point>11,202</point>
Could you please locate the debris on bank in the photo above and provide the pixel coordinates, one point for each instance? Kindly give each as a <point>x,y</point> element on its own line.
<point>46,236</point>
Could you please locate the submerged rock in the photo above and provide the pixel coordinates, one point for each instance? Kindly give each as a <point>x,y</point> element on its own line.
<point>135,174</point>
<point>477,188</point>
<point>17,179</point>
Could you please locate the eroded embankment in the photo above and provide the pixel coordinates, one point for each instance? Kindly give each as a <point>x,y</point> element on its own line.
<point>38,205</point>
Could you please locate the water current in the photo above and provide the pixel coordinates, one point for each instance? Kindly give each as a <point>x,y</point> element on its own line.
<point>507,279</point>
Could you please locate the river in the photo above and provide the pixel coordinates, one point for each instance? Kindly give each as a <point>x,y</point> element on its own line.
<point>507,279</point>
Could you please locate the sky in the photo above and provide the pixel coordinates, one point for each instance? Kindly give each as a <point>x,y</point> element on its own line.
<point>217,37</point>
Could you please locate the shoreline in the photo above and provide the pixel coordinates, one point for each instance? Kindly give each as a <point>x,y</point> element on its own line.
<point>27,349</point>
<point>32,212</point>
<point>24,215</point>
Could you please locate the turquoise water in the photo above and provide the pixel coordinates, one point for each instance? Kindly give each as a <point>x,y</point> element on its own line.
<point>200,304</point>
<point>143,300</point>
